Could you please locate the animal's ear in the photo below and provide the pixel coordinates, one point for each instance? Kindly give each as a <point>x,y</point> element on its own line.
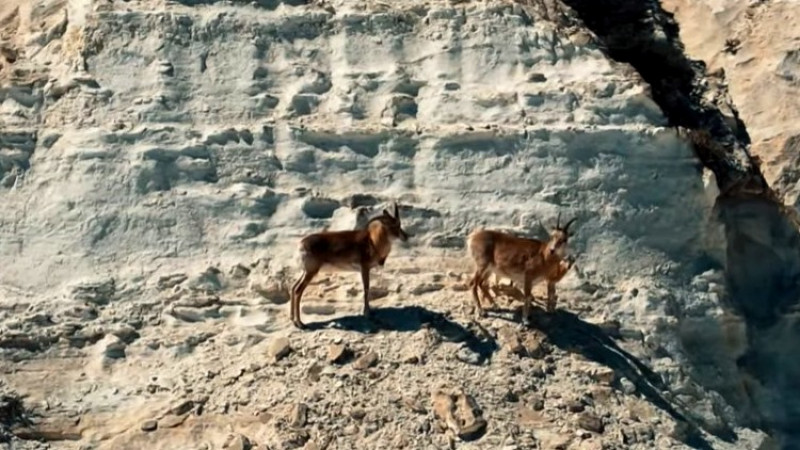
<point>386,213</point>
<point>396,211</point>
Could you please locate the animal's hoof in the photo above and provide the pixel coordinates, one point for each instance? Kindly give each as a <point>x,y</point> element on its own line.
<point>299,324</point>
<point>366,312</point>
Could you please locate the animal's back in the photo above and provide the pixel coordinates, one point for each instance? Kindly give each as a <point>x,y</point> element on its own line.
<point>504,254</point>
<point>340,250</point>
<point>483,245</point>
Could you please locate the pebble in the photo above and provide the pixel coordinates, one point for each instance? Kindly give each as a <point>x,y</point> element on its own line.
<point>590,422</point>
<point>149,425</point>
<point>427,288</point>
<point>575,406</point>
<point>366,361</point>
<point>182,408</point>
<point>237,442</point>
<point>338,353</point>
<point>279,348</point>
<point>459,412</point>
<point>298,416</point>
<point>465,354</point>
<point>603,375</point>
<point>627,386</point>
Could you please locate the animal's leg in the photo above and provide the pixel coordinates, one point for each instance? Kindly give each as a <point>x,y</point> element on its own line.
<point>365,282</point>
<point>297,294</point>
<point>526,308</point>
<point>476,282</point>
<point>551,297</point>
<point>292,295</point>
<point>487,295</point>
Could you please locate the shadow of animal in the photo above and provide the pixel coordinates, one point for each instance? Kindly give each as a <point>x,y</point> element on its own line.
<point>569,333</point>
<point>414,318</point>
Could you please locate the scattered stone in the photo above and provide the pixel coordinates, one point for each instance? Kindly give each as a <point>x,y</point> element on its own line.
<point>530,418</point>
<point>511,396</point>
<point>538,370</point>
<point>279,348</point>
<point>125,333</point>
<point>293,439</point>
<point>459,287</point>
<point>182,408</point>
<point>338,353</point>
<point>427,288</point>
<point>188,314</point>
<point>459,412</point>
<point>113,347</point>
<point>414,405</point>
<point>639,433</point>
<point>273,292</point>
<point>411,356</point>
<point>603,375</point>
<point>590,422</point>
<point>467,355</point>
<point>358,414</point>
<point>320,310</point>
<point>314,371</point>
<point>366,361</point>
<point>198,299</point>
<point>298,416</point>
<point>170,281</point>
<point>601,394</point>
<point>98,292</point>
<point>627,386</point>
<point>239,272</point>
<point>172,421</point>
<point>536,77</point>
<point>149,425</point>
<point>509,339</point>
<point>575,406</point>
<point>207,281</point>
<point>535,345</point>
<point>549,439</point>
<point>237,442</point>
<point>376,292</point>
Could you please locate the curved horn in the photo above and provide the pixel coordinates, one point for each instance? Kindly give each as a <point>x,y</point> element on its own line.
<point>566,227</point>
<point>558,220</point>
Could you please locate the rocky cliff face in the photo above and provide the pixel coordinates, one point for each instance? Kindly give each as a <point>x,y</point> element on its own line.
<point>159,163</point>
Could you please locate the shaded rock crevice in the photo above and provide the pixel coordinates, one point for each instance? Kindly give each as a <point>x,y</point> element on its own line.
<point>645,36</point>
<point>762,242</point>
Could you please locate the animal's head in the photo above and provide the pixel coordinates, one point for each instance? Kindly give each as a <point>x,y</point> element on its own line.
<point>392,223</point>
<point>559,236</point>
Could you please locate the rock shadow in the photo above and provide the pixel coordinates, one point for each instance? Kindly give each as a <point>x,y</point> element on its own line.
<point>414,318</point>
<point>568,332</point>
